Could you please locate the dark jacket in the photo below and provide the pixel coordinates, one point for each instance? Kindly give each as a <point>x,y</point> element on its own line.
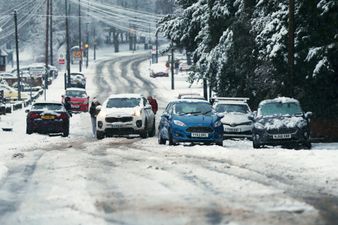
<point>92,110</point>
<point>68,107</point>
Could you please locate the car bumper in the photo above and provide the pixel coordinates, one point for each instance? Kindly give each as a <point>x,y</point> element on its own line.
<point>244,131</point>
<point>180,134</point>
<point>265,138</point>
<point>135,126</point>
<point>47,126</point>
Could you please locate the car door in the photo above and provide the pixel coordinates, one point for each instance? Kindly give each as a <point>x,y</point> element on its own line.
<point>164,125</point>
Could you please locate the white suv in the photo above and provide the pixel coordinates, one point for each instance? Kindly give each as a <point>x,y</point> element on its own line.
<point>236,120</point>
<point>125,114</point>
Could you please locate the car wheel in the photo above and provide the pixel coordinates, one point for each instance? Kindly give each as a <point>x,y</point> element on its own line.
<point>161,140</point>
<point>152,131</point>
<point>65,132</point>
<point>28,130</point>
<point>255,144</point>
<point>171,139</point>
<point>99,135</point>
<point>307,145</point>
<point>219,143</point>
<point>144,133</point>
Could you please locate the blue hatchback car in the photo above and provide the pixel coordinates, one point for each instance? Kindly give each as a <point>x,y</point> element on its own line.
<point>187,120</point>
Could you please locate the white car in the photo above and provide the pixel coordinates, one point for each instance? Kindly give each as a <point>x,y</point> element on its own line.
<point>236,120</point>
<point>124,114</point>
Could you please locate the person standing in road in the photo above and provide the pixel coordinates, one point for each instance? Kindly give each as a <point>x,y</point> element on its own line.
<point>68,106</point>
<point>93,113</point>
<point>153,103</point>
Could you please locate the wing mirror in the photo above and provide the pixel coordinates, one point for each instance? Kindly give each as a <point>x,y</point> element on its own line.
<point>27,111</point>
<point>308,115</point>
<point>252,116</point>
<point>98,108</point>
<point>147,107</point>
<point>220,115</point>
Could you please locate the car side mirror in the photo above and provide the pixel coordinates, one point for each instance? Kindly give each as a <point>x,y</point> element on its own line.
<point>27,111</point>
<point>98,108</point>
<point>165,115</point>
<point>220,115</point>
<point>308,115</point>
<point>251,117</point>
<point>147,107</point>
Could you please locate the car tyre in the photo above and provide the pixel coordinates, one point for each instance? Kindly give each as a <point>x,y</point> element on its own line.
<point>219,143</point>
<point>255,144</point>
<point>65,133</point>
<point>144,133</point>
<point>161,140</point>
<point>99,135</point>
<point>307,145</point>
<point>28,130</point>
<point>171,139</point>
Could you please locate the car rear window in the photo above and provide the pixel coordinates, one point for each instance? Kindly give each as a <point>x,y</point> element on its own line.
<point>76,93</point>
<point>280,108</point>
<point>44,106</point>
<point>123,102</point>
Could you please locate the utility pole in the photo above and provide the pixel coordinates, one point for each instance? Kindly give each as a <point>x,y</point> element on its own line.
<point>172,67</point>
<point>87,45</point>
<point>94,43</point>
<point>67,43</point>
<point>17,55</point>
<point>80,38</point>
<point>291,48</point>
<point>156,43</point>
<point>51,33</point>
<point>46,48</point>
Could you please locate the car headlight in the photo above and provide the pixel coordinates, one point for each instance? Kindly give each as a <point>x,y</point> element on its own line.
<point>137,113</point>
<point>179,123</point>
<point>259,126</point>
<point>217,123</point>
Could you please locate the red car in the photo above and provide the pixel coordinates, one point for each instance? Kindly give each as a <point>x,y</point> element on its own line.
<point>79,99</point>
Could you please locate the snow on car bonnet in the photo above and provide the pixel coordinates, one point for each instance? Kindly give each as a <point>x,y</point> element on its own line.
<point>288,122</point>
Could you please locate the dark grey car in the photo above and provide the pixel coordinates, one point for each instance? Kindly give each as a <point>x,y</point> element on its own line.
<point>281,121</point>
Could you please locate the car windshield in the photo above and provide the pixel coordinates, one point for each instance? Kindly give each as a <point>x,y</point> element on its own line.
<point>47,106</point>
<point>192,108</point>
<point>123,102</point>
<point>76,93</point>
<point>229,108</point>
<point>280,108</point>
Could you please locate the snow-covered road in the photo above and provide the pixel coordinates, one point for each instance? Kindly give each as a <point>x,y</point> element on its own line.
<point>79,180</point>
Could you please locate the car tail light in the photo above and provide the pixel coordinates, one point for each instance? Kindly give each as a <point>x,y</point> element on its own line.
<point>34,115</point>
<point>63,116</point>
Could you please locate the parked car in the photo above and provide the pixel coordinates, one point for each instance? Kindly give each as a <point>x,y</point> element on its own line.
<point>7,75</point>
<point>124,114</point>
<point>237,120</point>
<point>26,87</point>
<point>47,117</point>
<point>159,70</point>
<point>12,94</point>
<point>79,99</point>
<point>190,96</point>
<point>187,120</point>
<point>183,66</point>
<point>281,121</point>
<point>77,80</point>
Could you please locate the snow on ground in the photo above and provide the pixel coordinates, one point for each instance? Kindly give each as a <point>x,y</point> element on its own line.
<point>79,180</point>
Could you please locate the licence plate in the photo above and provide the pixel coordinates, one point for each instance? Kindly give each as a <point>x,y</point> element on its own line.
<point>116,126</point>
<point>281,136</point>
<point>75,106</point>
<point>47,117</point>
<point>199,135</point>
<point>235,130</point>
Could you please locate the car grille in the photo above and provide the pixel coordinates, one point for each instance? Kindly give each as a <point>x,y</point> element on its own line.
<point>199,130</point>
<point>118,119</point>
<point>283,130</point>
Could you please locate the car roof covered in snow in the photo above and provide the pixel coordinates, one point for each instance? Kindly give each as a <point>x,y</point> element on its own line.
<point>126,96</point>
<point>75,89</point>
<point>189,100</point>
<point>279,99</point>
<point>47,102</point>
